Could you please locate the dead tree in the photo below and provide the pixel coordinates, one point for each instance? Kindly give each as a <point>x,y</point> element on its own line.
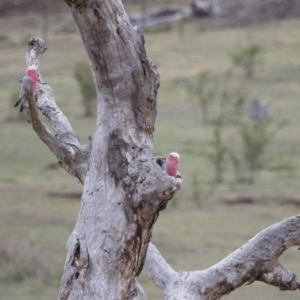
<point>124,187</point>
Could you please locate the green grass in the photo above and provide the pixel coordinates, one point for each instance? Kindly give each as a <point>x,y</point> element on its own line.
<point>189,237</point>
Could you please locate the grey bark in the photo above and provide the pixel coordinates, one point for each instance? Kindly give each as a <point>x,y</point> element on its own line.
<point>71,155</point>
<point>124,188</point>
<point>258,259</point>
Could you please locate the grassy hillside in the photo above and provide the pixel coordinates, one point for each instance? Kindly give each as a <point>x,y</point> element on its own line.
<point>34,226</point>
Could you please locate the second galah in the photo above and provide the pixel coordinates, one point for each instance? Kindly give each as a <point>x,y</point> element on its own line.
<point>29,82</point>
<point>170,165</point>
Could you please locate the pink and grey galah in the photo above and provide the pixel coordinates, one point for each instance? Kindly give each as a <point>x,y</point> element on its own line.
<point>170,165</point>
<point>29,82</point>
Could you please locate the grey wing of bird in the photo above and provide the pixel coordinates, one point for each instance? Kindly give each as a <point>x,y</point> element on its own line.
<point>24,85</point>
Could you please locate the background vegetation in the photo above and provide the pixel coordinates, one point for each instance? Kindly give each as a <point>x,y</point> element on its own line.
<point>39,202</point>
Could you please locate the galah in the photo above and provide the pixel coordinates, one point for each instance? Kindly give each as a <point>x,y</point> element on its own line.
<point>170,165</point>
<point>29,82</point>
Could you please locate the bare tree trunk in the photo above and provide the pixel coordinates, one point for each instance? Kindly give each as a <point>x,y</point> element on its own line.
<point>124,188</point>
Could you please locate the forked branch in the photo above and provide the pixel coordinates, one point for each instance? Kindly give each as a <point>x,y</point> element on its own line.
<point>72,156</point>
<point>258,259</point>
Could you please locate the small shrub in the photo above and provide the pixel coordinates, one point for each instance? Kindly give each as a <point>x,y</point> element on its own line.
<point>217,151</point>
<point>223,104</point>
<point>254,137</point>
<point>247,58</point>
<point>201,89</point>
<point>216,97</point>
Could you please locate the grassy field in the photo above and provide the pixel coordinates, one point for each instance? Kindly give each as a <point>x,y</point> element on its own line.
<point>191,233</point>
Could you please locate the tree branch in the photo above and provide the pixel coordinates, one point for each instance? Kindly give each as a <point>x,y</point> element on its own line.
<point>258,259</point>
<point>42,131</point>
<point>158,269</point>
<point>72,156</point>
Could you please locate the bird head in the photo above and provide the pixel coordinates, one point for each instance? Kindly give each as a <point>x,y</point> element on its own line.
<point>174,156</point>
<point>32,68</point>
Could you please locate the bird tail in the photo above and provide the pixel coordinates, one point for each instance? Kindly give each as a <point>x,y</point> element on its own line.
<point>18,102</point>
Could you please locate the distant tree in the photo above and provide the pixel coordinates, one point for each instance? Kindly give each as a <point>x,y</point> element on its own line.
<point>218,150</point>
<point>227,106</point>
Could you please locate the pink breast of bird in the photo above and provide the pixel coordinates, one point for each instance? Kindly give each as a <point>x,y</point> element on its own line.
<point>34,77</point>
<point>172,166</point>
